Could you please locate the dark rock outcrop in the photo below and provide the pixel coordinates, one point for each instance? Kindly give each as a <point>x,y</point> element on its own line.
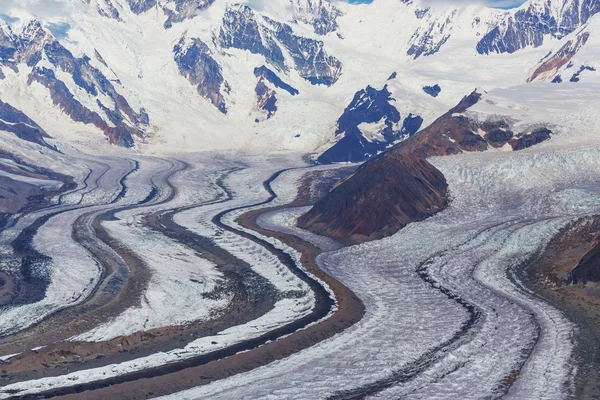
<point>399,186</point>
<point>553,62</point>
<point>195,62</point>
<point>528,26</point>
<point>369,106</point>
<point>15,121</point>
<point>433,91</point>
<point>576,75</point>
<point>411,124</point>
<point>266,99</point>
<point>266,73</point>
<point>528,139</point>
<point>498,133</point>
<point>246,30</point>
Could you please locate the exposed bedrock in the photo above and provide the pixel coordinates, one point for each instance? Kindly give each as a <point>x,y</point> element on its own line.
<point>400,186</point>
<point>383,196</point>
<point>369,125</point>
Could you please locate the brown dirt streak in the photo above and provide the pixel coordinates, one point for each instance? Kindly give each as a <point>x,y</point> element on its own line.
<point>59,354</point>
<point>350,311</point>
<point>548,276</point>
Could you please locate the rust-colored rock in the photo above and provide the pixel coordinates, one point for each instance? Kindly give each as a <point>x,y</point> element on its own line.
<point>550,66</point>
<point>397,187</point>
<point>400,186</point>
<point>383,196</point>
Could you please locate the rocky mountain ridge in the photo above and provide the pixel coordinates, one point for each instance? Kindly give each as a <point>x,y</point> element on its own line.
<point>211,49</point>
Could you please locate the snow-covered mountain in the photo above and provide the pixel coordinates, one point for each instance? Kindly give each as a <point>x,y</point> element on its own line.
<point>318,76</point>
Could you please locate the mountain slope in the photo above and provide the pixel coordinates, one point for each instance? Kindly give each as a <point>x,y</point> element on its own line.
<point>400,186</point>
<point>167,75</point>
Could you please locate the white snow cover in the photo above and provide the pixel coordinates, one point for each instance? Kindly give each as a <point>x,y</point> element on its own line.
<point>506,206</point>
<point>371,41</point>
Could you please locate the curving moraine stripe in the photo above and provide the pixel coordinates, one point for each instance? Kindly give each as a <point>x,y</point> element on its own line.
<point>164,222</point>
<point>85,230</point>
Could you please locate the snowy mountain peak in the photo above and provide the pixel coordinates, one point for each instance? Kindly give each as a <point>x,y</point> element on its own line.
<point>534,21</point>
<point>321,14</point>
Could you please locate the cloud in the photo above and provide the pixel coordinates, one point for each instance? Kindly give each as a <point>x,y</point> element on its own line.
<point>42,9</point>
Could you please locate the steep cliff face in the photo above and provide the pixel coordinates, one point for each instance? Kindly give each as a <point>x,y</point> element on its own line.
<point>195,62</point>
<point>534,21</point>
<point>368,125</point>
<point>246,30</point>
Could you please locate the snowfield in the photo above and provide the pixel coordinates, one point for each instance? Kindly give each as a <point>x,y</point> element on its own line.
<point>446,313</point>
<point>505,207</point>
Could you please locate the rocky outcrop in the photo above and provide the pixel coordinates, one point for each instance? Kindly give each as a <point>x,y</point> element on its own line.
<point>180,10</point>
<point>399,186</point>
<point>246,30</point>
<point>429,40</point>
<point>266,73</point>
<point>552,63</point>
<point>15,121</point>
<point>241,30</point>
<point>176,10</point>
<point>266,99</point>
<point>368,126</point>
<point>528,139</point>
<point>120,122</point>
<point>266,94</point>
<point>383,196</point>
<point>321,14</point>
<point>433,91</point>
<point>582,68</point>
<point>527,27</point>
<point>141,6</point>
<point>195,62</point>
